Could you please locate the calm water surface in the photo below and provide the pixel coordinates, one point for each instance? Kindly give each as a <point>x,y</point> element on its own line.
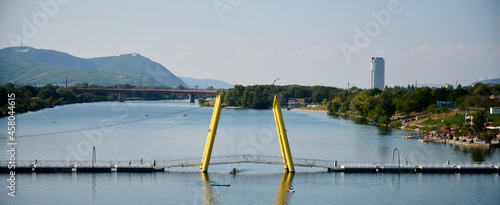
<point>177,129</point>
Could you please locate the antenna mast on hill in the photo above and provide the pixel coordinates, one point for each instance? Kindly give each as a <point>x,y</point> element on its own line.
<point>456,82</point>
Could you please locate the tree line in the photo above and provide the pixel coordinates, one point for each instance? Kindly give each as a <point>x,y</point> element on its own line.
<point>378,105</point>
<point>261,96</point>
<point>30,98</point>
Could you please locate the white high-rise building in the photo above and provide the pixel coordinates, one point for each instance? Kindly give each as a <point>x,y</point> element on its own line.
<point>378,73</point>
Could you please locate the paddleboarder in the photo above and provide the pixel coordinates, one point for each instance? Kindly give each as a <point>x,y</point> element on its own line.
<point>233,171</point>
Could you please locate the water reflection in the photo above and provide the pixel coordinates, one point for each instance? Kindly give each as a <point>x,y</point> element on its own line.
<point>208,191</point>
<point>283,195</point>
<point>477,154</point>
<point>384,131</point>
<point>93,185</point>
<point>358,120</point>
<point>396,181</point>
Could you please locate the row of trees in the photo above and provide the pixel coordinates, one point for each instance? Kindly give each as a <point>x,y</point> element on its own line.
<point>408,101</point>
<point>261,96</point>
<point>375,104</point>
<point>29,98</point>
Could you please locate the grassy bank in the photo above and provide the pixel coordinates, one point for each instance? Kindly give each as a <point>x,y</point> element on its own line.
<point>494,119</point>
<point>314,108</point>
<point>455,119</point>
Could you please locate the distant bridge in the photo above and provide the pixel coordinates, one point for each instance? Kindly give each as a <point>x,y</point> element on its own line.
<point>191,93</point>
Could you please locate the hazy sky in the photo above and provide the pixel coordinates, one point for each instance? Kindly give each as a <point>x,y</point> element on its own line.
<point>255,41</point>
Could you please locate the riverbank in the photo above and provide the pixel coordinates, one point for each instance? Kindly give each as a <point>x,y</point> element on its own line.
<point>308,110</point>
<point>410,126</point>
<point>462,141</point>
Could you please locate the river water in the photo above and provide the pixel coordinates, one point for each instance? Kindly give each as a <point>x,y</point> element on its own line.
<point>162,130</point>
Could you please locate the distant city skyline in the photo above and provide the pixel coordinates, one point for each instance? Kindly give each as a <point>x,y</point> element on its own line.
<point>254,42</point>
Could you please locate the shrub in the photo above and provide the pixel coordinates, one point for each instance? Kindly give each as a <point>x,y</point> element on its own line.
<point>395,124</point>
<point>384,120</point>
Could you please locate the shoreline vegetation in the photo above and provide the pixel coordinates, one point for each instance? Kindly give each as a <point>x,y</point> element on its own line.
<point>411,108</point>
<point>441,111</point>
<point>30,98</point>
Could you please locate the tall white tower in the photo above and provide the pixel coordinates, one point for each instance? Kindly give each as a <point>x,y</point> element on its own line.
<point>378,73</point>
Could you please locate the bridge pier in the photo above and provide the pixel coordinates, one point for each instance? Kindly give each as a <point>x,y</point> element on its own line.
<point>191,98</point>
<point>121,97</point>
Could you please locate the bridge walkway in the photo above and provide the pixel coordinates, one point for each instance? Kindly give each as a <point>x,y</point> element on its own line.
<point>332,166</point>
<point>247,158</point>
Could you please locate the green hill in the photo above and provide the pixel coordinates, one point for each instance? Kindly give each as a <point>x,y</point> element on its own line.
<point>494,81</point>
<point>26,65</point>
<point>205,83</point>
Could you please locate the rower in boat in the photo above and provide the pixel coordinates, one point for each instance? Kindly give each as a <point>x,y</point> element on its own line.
<point>233,171</point>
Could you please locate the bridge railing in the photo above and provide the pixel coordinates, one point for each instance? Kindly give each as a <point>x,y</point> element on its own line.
<point>420,164</point>
<point>263,159</point>
<point>457,164</point>
<point>313,162</point>
<point>77,163</point>
<point>221,159</point>
<point>245,159</point>
<point>179,162</point>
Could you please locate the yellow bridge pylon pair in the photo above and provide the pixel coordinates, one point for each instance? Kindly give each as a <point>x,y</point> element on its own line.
<point>280,127</point>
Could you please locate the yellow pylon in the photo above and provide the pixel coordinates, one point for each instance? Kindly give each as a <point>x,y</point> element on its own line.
<point>280,127</point>
<point>211,135</point>
<point>283,138</point>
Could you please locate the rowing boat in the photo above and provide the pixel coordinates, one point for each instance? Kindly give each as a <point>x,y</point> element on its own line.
<point>220,185</point>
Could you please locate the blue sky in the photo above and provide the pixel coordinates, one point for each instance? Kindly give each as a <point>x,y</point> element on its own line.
<point>254,42</point>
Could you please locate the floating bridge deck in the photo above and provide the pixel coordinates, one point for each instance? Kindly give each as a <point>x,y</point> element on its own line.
<point>164,165</point>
